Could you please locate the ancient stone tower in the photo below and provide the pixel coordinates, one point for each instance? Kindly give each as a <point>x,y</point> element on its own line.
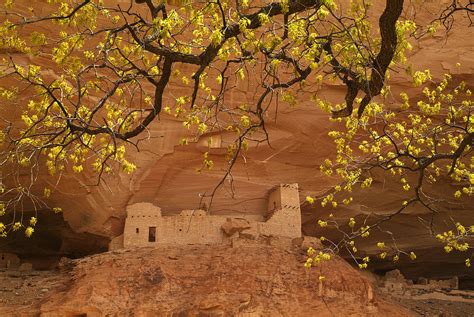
<point>284,213</point>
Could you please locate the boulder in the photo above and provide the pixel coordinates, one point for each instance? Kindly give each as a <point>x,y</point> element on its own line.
<point>250,233</point>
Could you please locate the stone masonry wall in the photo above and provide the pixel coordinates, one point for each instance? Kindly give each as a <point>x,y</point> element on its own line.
<point>140,217</point>
<point>189,227</point>
<point>9,260</point>
<point>286,220</point>
<point>146,227</point>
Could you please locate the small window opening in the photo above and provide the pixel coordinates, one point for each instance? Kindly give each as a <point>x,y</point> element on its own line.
<point>3,257</point>
<point>137,230</point>
<point>152,234</point>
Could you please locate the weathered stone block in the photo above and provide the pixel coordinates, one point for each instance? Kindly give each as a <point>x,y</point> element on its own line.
<point>234,225</point>
<point>26,267</point>
<point>250,233</point>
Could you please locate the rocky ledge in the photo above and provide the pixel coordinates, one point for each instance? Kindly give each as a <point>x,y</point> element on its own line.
<point>247,278</point>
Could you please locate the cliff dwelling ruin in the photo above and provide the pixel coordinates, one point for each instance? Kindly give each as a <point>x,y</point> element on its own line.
<point>9,260</point>
<point>145,226</point>
<point>396,284</point>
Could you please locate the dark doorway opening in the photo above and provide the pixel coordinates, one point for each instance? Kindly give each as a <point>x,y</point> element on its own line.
<point>151,234</point>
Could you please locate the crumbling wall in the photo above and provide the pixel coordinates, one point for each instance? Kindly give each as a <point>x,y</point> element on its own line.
<point>191,227</point>
<point>9,261</point>
<point>395,283</point>
<point>283,223</point>
<point>116,243</point>
<point>452,283</point>
<point>146,227</point>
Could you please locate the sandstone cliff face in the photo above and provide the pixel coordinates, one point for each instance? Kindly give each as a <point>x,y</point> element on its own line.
<point>299,144</point>
<point>247,280</point>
